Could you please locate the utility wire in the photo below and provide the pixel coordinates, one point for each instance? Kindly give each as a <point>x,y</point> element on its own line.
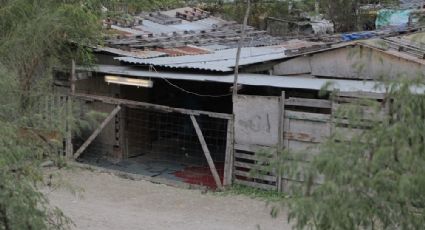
<point>151,67</point>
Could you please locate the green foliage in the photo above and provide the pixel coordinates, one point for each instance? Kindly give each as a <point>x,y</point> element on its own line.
<point>37,35</point>
<point>22,151</point>
<point>137,6</point>
<point>345,14</point>
<point>269,196</point>
<point>373,179</point>
<point>22,207</point>
<point>259,10</point>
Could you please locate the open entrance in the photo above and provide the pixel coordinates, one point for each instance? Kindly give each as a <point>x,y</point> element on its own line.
<point>182,145</point>
<point>167,145</point>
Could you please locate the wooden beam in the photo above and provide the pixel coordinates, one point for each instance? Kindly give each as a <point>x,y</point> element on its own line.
<point>304,102</point>
<point>255,176</point>
<point>97,131</point>
<point>280,145</point>
<point>255,166</point>
<point>229,158</point>
<point>138,104</point>
<point>361,94</point>
<point>307,116</point>
<point>206,152</point>
<point>255,148</point>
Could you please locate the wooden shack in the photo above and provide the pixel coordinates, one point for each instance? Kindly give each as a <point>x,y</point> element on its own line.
<point>174,116</point>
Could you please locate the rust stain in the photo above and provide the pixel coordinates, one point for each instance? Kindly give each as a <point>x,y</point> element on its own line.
<point>182,51</point>
<point>300,137</point>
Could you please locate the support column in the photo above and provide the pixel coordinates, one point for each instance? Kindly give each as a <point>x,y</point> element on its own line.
<point>229,158</point>
<point>206,152</point>
<point>69,148</point>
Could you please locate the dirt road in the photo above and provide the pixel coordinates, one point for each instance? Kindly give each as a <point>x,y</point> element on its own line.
<point>109,202</point>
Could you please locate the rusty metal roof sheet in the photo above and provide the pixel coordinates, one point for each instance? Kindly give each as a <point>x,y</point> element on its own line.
<point>133,53</point>
<point>185,50</point>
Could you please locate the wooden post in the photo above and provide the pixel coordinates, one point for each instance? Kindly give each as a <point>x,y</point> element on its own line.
<point>229,158</point>
<point>280,145</point>
<point>97,131</point>
<point>69,149</point>
<point>317,7</point>
<point>238,52</point>
<point>228,172</point>
<point>68,142</point>
<point>206,152</point>
<point>73,77</point>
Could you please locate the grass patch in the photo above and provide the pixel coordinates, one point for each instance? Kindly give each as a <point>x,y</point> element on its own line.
<point>266,195</point>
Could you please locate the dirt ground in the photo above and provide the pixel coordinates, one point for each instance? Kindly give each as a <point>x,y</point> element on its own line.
<point>109,202</point>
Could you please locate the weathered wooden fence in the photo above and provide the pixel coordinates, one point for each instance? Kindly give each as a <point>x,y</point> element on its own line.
<point>257,129</point>
<point>272,124</point>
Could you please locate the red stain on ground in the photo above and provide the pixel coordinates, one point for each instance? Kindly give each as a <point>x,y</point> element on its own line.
<point>200,175</point>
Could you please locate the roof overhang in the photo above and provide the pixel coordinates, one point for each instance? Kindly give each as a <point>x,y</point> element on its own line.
<point>294,82</point>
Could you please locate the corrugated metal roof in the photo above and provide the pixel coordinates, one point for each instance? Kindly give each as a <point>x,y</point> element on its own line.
<point>156,28</point>
<point>133,53</point>
<point>129,31</point>
<point>204,24</point>
<point>294,82</point>
<point>216,47</point>
<point>397,47</point>
<point>185,50</point>
<point>298,44</point>
<point>221,60</point>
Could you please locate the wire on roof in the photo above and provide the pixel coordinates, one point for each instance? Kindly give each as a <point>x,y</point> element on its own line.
<point>151,67</point>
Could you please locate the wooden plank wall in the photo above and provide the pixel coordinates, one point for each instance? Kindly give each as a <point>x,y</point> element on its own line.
<point>257,129</point>
<point>340,125</point>
<point>246,160</point>
<point>306,124</point>
<point>303,124</point>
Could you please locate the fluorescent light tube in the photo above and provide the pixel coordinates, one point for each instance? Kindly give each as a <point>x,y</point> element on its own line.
<point>129,81</point>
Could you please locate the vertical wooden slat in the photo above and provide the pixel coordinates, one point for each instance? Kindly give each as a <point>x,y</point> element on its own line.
<point>280,145</point>
<point>124,133</point>
<point>206,151</point>
<point>229,158</point>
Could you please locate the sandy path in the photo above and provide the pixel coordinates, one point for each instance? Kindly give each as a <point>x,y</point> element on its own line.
<point>110,202</point>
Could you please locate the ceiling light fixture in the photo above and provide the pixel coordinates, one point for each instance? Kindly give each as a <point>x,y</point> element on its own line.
<point>129,81</point>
